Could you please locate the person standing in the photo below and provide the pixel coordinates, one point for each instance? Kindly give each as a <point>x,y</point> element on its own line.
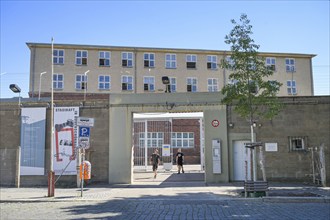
<point>180,160</point>
<point>155,160</point>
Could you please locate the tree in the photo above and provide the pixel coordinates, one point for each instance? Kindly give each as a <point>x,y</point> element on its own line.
<point>249,91</point>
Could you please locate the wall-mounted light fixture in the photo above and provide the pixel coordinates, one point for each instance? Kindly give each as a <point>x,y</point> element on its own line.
<point>16,89</point>
<point>166,82</point>
<point>231,124</point>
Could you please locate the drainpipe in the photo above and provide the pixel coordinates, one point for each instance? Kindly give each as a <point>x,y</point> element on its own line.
<point>135,70</point>
<point>32,69</point>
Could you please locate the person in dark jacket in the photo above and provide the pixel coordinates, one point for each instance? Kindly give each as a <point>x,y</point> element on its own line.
<point>180,160</point>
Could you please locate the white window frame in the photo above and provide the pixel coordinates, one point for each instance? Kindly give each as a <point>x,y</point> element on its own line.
<point>149,60</point>
<point>291,87</point>
<point>192,84</point>
<point>57,83</point>
<point>191,61</point>
<point>57,58</point>
<point>172,85</point>
<point>212,61</point>
<point>231,62</point>
<point>149,83</point>
<point>297,143</point>
<point>104,56</point>
<point>128,80</point>
<point>178,139</point>
<point>81,81</point>
<point>128,58</point>
<point>170,61</point>
<point>212,85</point>
<point>81,57</point>
<point>154,139</point>
<point>102,84</point>
<point>290,65</point>
<point>271,63</point>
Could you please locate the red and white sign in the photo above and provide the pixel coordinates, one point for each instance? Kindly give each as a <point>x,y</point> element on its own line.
<point>215,123</point>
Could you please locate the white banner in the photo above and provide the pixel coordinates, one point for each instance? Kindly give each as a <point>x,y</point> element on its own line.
<point>33,132</point>
<point>64,140</point>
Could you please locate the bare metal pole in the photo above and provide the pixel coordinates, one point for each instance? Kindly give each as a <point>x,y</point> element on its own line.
<point>51,186</point>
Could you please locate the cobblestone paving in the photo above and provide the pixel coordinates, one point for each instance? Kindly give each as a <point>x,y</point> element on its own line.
<point>164,209</point>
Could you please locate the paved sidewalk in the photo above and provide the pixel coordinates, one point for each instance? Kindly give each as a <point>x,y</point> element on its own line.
<point>165,198</point>
<point>168,186</point>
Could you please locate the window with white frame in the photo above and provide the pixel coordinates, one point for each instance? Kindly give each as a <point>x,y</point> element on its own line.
<point>127,59</point>
<point>149,83</point>
<point>191,61</point>
<point>104,82</point>
<point>182,140</point>
<point>81,81</point>
<point>290,65</point>
<point>170,61</point>
<point>127,83</point>
<point>154,139</point>
<point>212,62</point>
<point>297,143</point>
<point>81,57</point>
<point>58,56</point>
<point>58,81</point>
<point>172,86</point>
<point>191,84</point>
<point>271,63</point>
<point>230,62</point>
<point>291,87</point>
<point>104,58</point>
<point>212,85</point>
<point>149,60</point>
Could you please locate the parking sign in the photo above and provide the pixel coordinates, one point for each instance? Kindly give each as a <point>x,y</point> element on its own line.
<point>84,131</point>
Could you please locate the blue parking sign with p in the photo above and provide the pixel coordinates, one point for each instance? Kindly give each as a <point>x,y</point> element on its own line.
<point>84,131</point>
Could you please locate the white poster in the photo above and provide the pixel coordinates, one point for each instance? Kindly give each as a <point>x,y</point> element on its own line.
<point>64,149</point>
<point>33,133</point>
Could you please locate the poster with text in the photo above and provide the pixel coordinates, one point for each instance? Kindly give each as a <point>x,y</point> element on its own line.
<point>64,149</point>
<point>33,132</point>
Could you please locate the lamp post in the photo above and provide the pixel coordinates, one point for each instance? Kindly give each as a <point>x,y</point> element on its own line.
<point>16,89</point>
<point>40,83</point>
<point>51,174</point>
<point>85,82</point>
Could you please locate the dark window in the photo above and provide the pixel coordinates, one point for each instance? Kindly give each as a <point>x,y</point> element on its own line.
<point>124,86</point>
<point>191,65</point>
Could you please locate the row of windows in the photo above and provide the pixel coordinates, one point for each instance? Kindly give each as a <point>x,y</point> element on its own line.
<point>104,83</point>
<point>149,60</point>
<point>178,139</point>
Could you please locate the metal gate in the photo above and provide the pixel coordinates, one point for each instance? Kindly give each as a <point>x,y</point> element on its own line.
<point>148,135</point>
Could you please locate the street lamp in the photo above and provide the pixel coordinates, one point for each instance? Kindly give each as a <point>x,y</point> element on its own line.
<point>40,83</point>
<point>16,89</point>
<point>85,84</point>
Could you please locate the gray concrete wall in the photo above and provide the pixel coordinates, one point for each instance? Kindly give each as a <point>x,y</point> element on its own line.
<point>305,116</point>
<point>110,152</point>
<point>10,140</point>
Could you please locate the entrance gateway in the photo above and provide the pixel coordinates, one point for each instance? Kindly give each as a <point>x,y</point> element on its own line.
<point>121,144</point>
<point>167,132</point>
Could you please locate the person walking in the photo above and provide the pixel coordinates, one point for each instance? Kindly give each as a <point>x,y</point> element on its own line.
<point>180,160</point>
<point>155,160</point>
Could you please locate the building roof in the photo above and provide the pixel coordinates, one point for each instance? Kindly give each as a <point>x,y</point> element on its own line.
<point>155,49</point>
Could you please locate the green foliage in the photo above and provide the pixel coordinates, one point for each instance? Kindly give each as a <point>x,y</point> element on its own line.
<point>251,93</point>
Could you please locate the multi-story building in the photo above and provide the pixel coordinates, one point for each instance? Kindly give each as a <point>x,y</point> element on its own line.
<point>89,69</point>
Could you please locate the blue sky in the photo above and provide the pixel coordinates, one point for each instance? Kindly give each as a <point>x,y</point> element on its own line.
<point>278,26</point>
